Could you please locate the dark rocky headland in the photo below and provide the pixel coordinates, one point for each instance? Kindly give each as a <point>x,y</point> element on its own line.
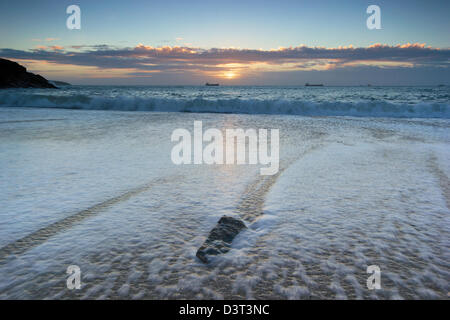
<point>13,75</point>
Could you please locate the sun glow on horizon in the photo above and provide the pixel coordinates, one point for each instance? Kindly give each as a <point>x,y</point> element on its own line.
<point>230,75</point>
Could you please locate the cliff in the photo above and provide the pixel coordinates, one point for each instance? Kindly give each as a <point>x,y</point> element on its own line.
<point>13,75</point>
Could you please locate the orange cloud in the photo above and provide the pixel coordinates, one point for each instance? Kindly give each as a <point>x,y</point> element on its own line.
<point>56,48</point>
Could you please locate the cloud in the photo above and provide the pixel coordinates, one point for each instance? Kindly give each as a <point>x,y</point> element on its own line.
<point>57,48</point>
<point>46,39</point>
<point>218,62</point>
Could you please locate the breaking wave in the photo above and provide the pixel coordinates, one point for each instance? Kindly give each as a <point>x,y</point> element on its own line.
<point>235,105</point>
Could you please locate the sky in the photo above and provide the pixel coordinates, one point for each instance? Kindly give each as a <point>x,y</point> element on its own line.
<point>232,42</point>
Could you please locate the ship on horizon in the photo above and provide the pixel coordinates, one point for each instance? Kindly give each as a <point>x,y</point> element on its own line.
<point>313,85</point>
<point>211,84</point>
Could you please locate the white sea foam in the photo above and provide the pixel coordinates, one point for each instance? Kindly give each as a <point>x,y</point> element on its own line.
<point>360,102</point>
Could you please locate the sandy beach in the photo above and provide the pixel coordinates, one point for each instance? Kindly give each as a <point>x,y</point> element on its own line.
<point>97,189</point>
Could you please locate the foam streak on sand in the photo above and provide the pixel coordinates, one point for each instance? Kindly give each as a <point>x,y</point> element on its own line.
<point>444,181</point>
<point>40,236</point>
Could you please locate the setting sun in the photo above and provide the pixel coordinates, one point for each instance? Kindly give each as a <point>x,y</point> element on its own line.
<point>230,75</point>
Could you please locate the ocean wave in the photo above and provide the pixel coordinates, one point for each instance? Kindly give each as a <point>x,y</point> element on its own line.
<point>247,106</point>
